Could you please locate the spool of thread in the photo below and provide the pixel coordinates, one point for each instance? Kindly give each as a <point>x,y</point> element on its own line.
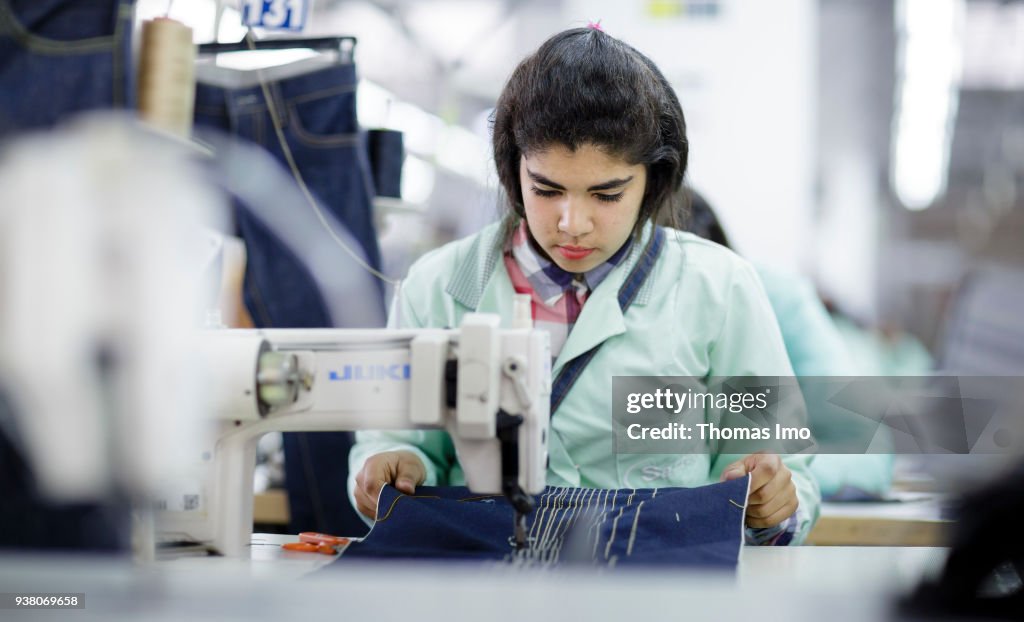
<point>167,82</point>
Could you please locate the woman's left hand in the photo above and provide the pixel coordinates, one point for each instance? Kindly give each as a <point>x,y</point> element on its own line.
<point>772,497</point>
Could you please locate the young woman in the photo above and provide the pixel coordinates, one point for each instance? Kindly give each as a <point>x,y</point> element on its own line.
<point>590,145</point>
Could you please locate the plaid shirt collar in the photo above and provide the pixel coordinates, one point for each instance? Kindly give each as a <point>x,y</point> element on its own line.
<point>549,281</point>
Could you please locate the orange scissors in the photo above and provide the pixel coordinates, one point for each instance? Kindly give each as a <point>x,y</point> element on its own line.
<point>312,537</point>
<point>312,542</point>
<point>307,547</point>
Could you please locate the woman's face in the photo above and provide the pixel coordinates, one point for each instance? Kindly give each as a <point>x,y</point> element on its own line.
<point>580,205</point>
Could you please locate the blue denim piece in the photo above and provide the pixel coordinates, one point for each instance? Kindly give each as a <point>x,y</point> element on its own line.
<point>318,115</point>
<point>644,527</point>
<point>59,57</point>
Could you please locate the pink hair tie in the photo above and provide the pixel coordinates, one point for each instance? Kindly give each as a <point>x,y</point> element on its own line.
<point>595,25</point>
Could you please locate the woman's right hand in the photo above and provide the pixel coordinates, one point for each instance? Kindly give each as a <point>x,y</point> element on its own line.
<point>402,469</point>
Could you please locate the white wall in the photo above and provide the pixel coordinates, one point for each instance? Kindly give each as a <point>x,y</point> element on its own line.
<point>853,224</point>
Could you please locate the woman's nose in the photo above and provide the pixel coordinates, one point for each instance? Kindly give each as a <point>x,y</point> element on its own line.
<point>575,218</point>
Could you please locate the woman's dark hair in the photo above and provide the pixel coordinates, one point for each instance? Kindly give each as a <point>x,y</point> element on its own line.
<point>583,86</point>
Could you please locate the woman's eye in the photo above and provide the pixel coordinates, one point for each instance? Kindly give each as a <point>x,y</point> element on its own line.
<point>544,193</point>
<point>609,198</point>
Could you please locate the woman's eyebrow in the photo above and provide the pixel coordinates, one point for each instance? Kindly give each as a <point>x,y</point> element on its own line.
<point>607,185</point>
<point>540,179</point>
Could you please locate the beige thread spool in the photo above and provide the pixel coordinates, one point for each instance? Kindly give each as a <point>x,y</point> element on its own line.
<point>167,83</point>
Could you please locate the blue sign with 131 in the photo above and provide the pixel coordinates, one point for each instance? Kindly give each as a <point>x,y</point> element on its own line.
<point>276,14</point>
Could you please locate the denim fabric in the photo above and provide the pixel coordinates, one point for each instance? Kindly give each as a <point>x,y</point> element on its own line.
<point>318,114</point>
<point>58,57</point>
<point>644,527</point>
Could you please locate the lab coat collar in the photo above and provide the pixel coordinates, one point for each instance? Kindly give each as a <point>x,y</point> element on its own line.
<point>474,280</point>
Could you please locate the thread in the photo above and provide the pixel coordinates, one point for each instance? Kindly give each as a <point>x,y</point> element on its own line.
<point>167,83</point>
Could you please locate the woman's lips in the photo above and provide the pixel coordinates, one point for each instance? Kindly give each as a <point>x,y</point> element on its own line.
<point>574,253</point>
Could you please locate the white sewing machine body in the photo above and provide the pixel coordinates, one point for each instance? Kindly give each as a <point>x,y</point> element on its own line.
<point>473,382</point>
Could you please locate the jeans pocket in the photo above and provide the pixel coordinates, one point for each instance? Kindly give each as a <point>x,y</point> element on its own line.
<point>326,118</point>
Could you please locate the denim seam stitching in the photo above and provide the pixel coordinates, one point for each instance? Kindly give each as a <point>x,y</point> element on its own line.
<point>305,136</point>
<point>334,90</point>
<point>45,45</point>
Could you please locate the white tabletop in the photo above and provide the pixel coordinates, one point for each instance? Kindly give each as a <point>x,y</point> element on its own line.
<point>829,567</point>
<point>834,583</point>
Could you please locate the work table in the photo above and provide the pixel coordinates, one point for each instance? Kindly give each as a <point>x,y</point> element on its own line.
<point>835,583</point>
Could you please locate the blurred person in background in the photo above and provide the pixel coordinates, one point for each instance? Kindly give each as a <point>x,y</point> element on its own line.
<point>816,348</point>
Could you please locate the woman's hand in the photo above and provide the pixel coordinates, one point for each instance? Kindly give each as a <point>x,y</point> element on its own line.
<point>772,497</point>
<point>401,469</point>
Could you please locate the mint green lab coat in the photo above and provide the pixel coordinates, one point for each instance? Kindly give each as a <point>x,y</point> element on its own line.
<point>701,312</point>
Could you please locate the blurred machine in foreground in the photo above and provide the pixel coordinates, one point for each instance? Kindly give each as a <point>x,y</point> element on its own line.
<point>100,288</point>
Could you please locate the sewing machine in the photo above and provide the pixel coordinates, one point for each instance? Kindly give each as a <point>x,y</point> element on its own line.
<point>488,387</point>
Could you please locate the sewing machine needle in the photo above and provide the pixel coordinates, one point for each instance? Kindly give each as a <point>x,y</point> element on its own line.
<point>520,531</point>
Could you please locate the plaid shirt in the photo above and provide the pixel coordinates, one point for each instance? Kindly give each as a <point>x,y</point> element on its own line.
<point>557,296</point>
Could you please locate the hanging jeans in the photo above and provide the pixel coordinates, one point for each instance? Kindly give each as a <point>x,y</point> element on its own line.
<point>58,57</point>
<point>317,113</point>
